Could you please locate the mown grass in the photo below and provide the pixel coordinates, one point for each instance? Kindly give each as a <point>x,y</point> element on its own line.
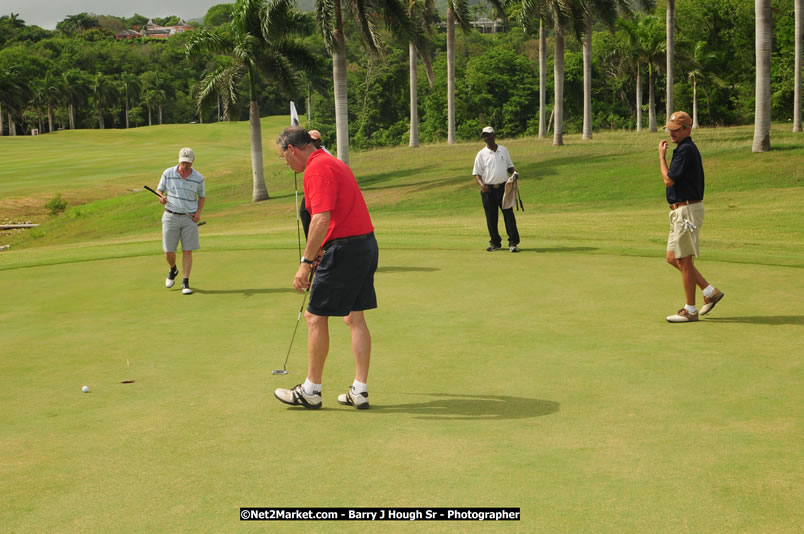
<point>547,380</point>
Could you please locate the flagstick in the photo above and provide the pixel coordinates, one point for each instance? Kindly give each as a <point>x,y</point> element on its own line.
<point>298,232</point>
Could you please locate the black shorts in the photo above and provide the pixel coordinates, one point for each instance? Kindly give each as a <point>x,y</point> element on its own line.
<point>344,281</point>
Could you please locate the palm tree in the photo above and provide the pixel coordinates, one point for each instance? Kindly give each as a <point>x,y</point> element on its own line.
<point>457,10</point>
<point>422,14</point>
<point>151,98</point>
<point>670,47</point>
<point>76,89</point>
<point>762,116</point>
<point>131,89</point>
<point>607,11</point>
<point>799,13</point>
<point>564,14</point>
<point>329,17</point>
<point>651,48</point>
<point>701,57</point>
<point>103,92</point>
<point>259,40</point>
<point>636,55</point>
<point>223,83</point>
<point>532,11</point>
<point>52,90</point>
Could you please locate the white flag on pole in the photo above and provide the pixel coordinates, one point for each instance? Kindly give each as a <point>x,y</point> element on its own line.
<point>294,117</point>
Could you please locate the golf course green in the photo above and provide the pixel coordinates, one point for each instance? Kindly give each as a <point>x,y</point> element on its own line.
<point>547,380</point>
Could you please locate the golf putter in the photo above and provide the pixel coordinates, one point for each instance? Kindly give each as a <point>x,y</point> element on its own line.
<point>284,369</point>
<point>200,223</point>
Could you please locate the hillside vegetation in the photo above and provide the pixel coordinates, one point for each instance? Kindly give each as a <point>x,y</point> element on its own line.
<point>604,194</point>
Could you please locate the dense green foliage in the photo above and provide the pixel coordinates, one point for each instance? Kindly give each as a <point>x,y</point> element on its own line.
<point>496,75</point>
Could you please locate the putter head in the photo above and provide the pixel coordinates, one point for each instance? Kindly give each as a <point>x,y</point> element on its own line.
<point>279,372</point>
<point>202,223</point>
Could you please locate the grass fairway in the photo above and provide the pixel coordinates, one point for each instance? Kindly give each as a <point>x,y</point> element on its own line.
<point>560,390</point>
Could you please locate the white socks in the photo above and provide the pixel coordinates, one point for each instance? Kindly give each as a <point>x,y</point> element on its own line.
<point>311,389</point>
<point>315,389</point>
<point>691,309</point>
<point>709,291</point>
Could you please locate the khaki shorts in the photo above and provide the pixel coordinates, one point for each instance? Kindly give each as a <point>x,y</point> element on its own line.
<point>179,227</point>
<point>685,224</point>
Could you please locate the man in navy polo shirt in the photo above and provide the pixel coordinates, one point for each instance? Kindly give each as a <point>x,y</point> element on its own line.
<point>684,189</point>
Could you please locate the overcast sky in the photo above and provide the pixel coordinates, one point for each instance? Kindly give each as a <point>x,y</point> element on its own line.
<point>47,13</point>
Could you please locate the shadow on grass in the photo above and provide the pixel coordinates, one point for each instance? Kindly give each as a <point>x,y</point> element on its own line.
<point>559,249</point>
<point>796,320</point>
<point>244,292</point>
<point>471,407</point>
<point>406,269</point>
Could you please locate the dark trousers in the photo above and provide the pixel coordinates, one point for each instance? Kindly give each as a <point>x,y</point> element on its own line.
<point>492,201</point>
<point>305,217</point>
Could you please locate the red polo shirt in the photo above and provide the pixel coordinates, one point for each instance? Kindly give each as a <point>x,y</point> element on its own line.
<point>330,185</point>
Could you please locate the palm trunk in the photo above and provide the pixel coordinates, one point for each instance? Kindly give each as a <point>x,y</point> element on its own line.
<point>558,81</point>
<point>100,116</point>
<point>414,97</point>
<point>260,192</point>
<point>160,114</point>
<point>651,102</point>
<point>450,76</point>
<point>671,18</point>
<point>587,79</point>
<point>638,100</point>
<point>149,116</point>
<point>762,116</point>
<point>71,113</point>
<point>542,77</point>
<point>127,123</point>
<point>339,82</point>
<point>694,102</point>
<point>797,68</point>
<point>50,117</point>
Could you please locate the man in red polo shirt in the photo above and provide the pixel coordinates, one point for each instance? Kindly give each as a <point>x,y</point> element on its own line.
<point>341,239</point>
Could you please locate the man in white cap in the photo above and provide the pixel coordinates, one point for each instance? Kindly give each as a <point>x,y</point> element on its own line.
<point>684,190</point>
<point>183,196</point>
<point>492,166</point>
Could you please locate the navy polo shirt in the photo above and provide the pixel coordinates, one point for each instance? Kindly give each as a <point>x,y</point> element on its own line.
<point>686,171</point>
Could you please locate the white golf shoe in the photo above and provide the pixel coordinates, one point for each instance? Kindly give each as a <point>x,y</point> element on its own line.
<point>358,400</point>
<point>297,397</point>
<point>171,277</point>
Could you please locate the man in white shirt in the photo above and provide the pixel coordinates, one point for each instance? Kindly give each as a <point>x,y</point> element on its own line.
<point>492,166</point>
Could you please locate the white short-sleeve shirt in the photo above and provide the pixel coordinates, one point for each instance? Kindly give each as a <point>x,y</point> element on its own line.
<point>492,166</point>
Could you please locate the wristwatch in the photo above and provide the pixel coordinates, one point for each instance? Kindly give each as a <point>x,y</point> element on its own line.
<point>305,260</point>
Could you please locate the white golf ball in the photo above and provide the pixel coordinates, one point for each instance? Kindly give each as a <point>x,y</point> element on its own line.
<point>85,389</point>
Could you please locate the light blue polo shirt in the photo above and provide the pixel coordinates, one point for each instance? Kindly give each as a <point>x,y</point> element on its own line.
<point>182,194</point>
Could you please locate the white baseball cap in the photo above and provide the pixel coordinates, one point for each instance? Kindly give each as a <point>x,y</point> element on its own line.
<point>488,129</point>
<point>186,154</point>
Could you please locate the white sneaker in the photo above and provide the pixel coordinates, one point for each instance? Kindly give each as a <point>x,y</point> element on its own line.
<point>358,400</point>
<point>171,277</point>
<point>297,397</point>
<point>683,316</point>
<point>185,289</point>
<point>709,302</point>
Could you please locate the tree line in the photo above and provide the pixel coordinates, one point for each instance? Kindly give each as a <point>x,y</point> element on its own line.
<point>405,75</point>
